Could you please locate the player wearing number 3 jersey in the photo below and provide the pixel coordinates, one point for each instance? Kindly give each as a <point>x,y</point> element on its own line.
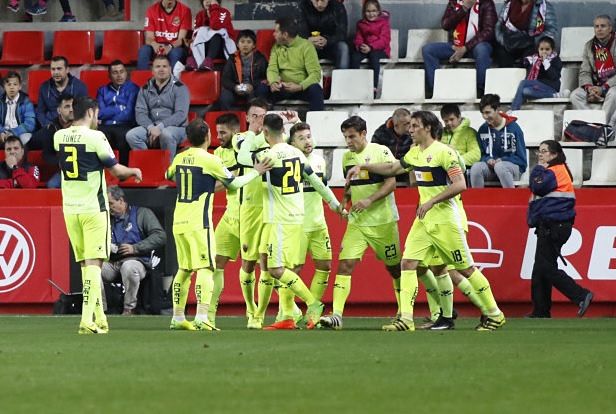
<point>83,154</point>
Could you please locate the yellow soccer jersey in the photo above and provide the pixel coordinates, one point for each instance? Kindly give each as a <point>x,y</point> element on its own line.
<point>83,154</point>
<point>432,168</point>
<point>382,211</point>
<point>195,172</point>
<point>314,214</point>
<point>227,155</point>
<point>247,145</point>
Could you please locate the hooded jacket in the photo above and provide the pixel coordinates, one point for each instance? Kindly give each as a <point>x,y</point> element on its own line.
<point>231,73</point>
<point>376,33</point>
<point>162,107</point>
<point>464,140</point>
<point>46,109</point>
<point>117,106</point>
<point>332,22</point>
<point>506,143</point>
<point>26,118</point>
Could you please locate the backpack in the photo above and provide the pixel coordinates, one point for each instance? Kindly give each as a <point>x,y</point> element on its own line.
<point>594,132</point>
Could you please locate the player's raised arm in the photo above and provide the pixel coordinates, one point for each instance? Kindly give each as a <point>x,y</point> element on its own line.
<point>387,169</point>
<point>259,168</point>
<point>123,172</point>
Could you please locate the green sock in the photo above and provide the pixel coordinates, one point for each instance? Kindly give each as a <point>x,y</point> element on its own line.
<point>468,291</point>
<point>445,289</point>
<point>266,284</point>
<point>91,280</point>
<point>219,285</point>
<point>204,286</point>
<point>319,283</point>
<point>297,286</point>
<point>247,284</point>
<point>342,288</point>
<point>179,289</point>
<point>396,283</point>
<point>482,287</point>
<point>434,302</point>
<point>286,300</point>
<point>408,293</point>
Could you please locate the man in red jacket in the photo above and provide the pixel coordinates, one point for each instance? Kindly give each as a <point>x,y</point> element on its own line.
<point>15,172</point>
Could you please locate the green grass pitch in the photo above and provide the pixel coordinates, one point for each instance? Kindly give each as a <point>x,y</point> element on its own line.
<point>530,366</point>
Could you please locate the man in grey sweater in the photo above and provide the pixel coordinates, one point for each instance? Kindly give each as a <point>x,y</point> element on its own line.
<point>161,111</point>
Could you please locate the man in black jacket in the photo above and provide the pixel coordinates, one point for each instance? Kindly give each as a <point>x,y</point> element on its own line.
<point>324,23</point>
<point>394,134</point>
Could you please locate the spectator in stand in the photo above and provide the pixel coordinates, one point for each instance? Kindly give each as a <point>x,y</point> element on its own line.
<point>372,38</point>
<point>294,71</point>
<point>501,141</point>
<point>597,77</point>
<point>471,24</point>
<point>61,81</point>
<point>459,135</point>
<point>17,115</point>
<point>113,13</point>
<point>394,134</point>
<point>212,37</point>
<point>116,108</point>
<point>161,111</point>
<point>245,73</point>
<point>39,7</point>
<point>542,75</point>
<point>167,23</point>
<point>520,27</point>
<point>325,24</point>
<point>15,172</point>
<point>135,234</point>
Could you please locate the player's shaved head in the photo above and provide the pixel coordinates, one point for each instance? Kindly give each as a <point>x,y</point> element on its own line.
<point>197,132</point>
<point>274,124</point>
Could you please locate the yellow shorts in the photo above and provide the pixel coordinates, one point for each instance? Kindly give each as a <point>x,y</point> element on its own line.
<point>317,243</point>
<point>90,235</point>
<point>227,235</point>
<point>251,226</point>
<point>195,250</point>
<point>281,243</point>
<point>383,239</point>
<point>448,241</point>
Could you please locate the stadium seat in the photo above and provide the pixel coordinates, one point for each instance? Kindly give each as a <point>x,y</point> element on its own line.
<point>352,86</point>
<point>319,152</point>
<point>523,181</point>
<point>94,79</point>
<point>337,178</point>
<point>109,178</point>
<point>3,73</point>
<point>265,41</point>
<point>120,44</point>
<point>575,161</point>
<point>417,38</point>
<point>504,82</point>
<point>403,86</point>
<point>192,115</point>
<point>46,170</point>
<point>568,80</point>
<point>210,119</point>
<point>603,171</point>
<point>140,77</point>
<point>75,45</point>
<point>35,79</point>
<point>475,117</point>
<point>325,127</point>
<point>455,85</point>
<point>588,115</point>
<point>537,125</point>
<point>22,48</point>
<point>204,87</point>
<point>374,119</point>
<point>153,164</point>
<point>572,41</point>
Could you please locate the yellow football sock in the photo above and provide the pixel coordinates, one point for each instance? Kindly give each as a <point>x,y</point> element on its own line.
<point>319,283</point>
<point>204,285</point>
<point>408,293</point>
<point>445,289</point>
<point>266,284</point>
<point>91,280</point>
<point>219,285</point>
<point>297,286</point>
<point>247,283</point>
<point>468,291</point>
<point>342,289</point>
<point>397,293</point>
<point>179,289</point>
<point>482,287</point>
<point>286,300</point>
<point>99,312</point>
<point>432,294</point>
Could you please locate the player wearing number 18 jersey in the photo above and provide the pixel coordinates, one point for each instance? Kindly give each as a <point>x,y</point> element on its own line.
<point>83,154</point>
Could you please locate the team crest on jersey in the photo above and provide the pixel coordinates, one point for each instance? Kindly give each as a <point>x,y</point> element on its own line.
<point>429,158</point>
<point>175,21</point>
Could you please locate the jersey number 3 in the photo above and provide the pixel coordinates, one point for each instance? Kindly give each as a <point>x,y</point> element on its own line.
<point>292,176</point>
<point>70,162</point>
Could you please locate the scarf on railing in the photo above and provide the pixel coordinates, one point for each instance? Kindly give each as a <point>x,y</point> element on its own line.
<point>466,28</point>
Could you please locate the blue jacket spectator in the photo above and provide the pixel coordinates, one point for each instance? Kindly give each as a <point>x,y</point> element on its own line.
<point>19,120</point>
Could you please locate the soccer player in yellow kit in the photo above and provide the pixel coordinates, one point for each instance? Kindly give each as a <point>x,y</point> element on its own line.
<point>84,153</point>
<point>438,226</point>
<point>196,172</point>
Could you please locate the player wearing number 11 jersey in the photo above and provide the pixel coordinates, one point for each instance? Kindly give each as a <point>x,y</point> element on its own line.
<point>83,154</point>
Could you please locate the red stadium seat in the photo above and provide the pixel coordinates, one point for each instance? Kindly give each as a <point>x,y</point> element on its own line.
<point>46,170</point>
<point>76,45</point>
<point>265,41</point>
<point>94,79</point>
<point>3,73</point>
<point>35,79</point>
<point>140,77</point>
<point>122,45</point>
<point>109,178</point>
<point>210,119</point>
<point>204,87</point>
<point>153,164</point>
<point>22,48</point>
<point>192,116</point>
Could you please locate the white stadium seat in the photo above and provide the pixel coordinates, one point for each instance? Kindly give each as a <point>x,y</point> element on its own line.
<point>475,118</point>
<point>455,85</point>
<point>504,82</point>
<point>603,170</point>
<point>352,86</point>
<point>325,127</point>
<point>575,161</point>
<point>374,119</point>
<point>417,38</point>
<point>403,86</point>
<point>572,41</point>
<point>537,125</point>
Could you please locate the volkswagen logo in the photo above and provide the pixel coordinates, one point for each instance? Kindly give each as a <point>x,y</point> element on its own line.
<point>17,255</point>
